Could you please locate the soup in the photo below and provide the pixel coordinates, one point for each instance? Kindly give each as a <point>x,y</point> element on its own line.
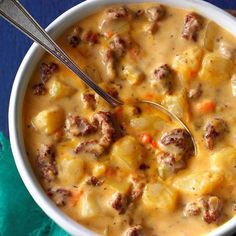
<point>132,170</point>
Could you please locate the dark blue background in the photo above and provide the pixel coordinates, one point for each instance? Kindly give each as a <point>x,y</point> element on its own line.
<point>14,45</point>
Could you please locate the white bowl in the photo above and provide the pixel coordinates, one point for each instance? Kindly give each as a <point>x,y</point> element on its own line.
<point>23,76</point>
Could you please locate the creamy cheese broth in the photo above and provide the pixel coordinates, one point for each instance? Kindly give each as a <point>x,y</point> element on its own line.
<point>131,170</point>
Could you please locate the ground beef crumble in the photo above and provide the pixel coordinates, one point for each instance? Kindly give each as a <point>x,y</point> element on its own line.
<point>90,37</point>
<point>105,121</point>
<point>47,70</point>
<point>192,209</point>
<point>92,147</point>
<point>163,77</point>
<point>120,202</point>
<point>136,230</point>
<point>59,196</point>
<point>77,126</point>
<point>192,25</point>
<point>89,100</point>
<point>94,181</point>
<point>180,139</point>
<point>214,130</point>
<point>46,162</point>
<point>74,41</point>
<point>116,13</point>
<point>156,13</point>
<point>75,37</point>
<point>210,207</point>
<point>39,89</point>
<point>118,45</point>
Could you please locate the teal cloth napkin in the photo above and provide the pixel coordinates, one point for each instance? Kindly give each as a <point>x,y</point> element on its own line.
<point>19,214</point>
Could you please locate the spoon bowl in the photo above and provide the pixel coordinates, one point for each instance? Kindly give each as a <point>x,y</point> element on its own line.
<point>174,117</point>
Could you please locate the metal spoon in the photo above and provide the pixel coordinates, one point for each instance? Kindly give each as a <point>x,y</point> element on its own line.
<point>19,17</point>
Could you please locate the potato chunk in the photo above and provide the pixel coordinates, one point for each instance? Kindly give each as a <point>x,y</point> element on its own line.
<point>224,161</point>
<point>148,122</point>
<point>199,183</point>
<point>93,73</point>
<point>89,205</point>
<point>177,104</point>
<point>99,170</point>
<point>120,186</point>
<point>233,85</point>
<point>70,167</point>
<point>70,170</point>
<point>188,64</point>
<point>58,89</point>
<point>160,196</point>
<point>216,68</point>
<point>133,74</point>
<point>211,33</point>
<point>116,20</point>
<point>126,153</point>
<point>227,50</point>
<point>49,121</point>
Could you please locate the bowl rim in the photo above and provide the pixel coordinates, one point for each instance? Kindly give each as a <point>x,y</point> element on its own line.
<point>23,75</point>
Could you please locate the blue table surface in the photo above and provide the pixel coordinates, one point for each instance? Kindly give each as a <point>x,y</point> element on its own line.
<point>14,45</point>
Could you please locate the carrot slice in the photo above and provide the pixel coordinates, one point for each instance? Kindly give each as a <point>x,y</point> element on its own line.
<point>109,34</point>
<point>110,172</point>
<point>154,144</point>
<point>193,74</point>
<point>149,96</point>
<point>146,138</point>
<point>119,113</point>
<point>206,107</point>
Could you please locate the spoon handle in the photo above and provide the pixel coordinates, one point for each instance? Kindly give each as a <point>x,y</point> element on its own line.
<point>18,16</point>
